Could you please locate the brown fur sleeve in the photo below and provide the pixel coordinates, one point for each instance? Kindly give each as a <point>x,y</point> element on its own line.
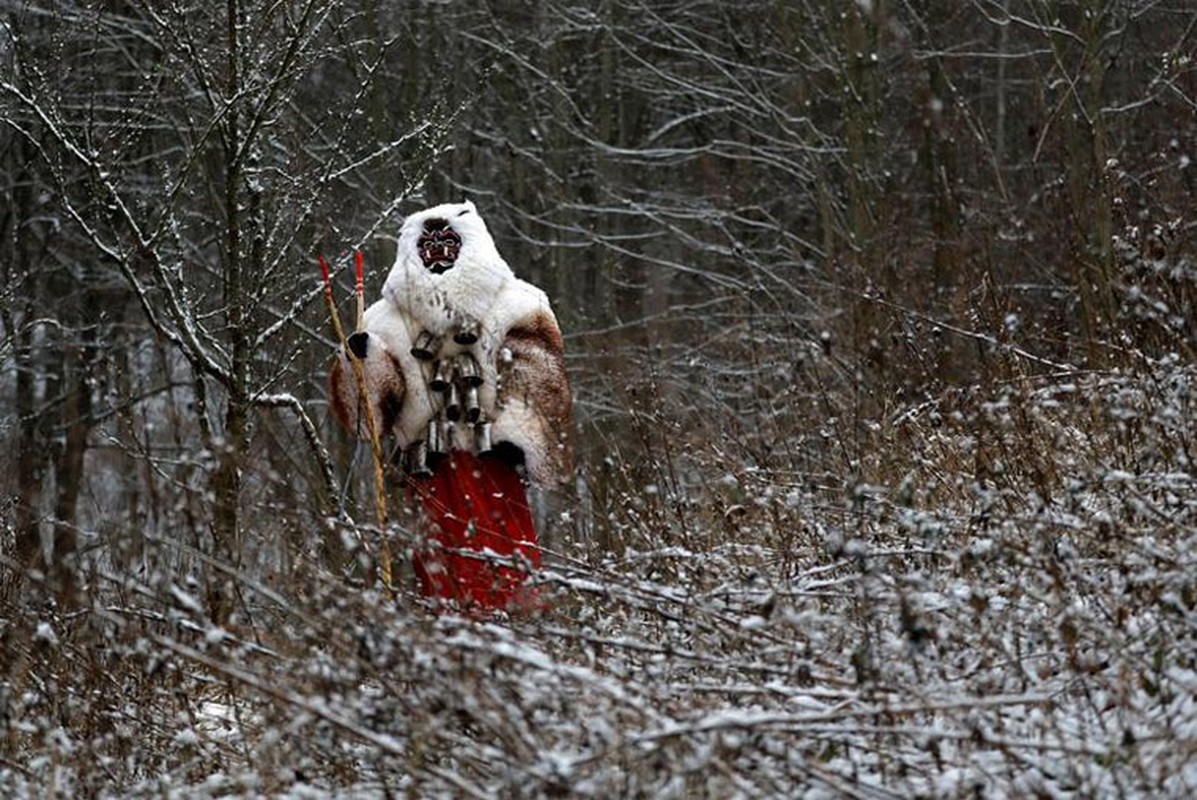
<point>385,388</point>
<point>534,403</point>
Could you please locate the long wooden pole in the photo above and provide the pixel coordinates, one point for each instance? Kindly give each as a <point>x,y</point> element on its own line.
<point>380,496</point>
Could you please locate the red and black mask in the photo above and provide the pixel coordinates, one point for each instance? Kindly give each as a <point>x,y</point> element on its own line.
<point>439,245</point>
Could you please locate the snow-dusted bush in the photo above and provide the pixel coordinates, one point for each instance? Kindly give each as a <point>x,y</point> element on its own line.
<point>1013,616</point>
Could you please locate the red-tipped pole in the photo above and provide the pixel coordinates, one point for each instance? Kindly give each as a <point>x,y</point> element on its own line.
<point>380,496</point>
<point>360,288</point>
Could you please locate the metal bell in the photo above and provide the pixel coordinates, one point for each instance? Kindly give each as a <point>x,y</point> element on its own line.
<point>436,437</point>
<point>415,459</point>
<point>468,369</point>
<point>426,347</point>
<point>473,411</point>
<point>440,378</point>
<point>446,434</point>
<point>468,334</point>
<point>453,403</point>
<point>482,442</point>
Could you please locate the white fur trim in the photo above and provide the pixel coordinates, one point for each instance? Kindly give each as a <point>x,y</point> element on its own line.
<point>480,288</point>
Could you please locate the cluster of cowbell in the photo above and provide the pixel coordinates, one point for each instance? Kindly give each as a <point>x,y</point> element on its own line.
<point>454,382</point>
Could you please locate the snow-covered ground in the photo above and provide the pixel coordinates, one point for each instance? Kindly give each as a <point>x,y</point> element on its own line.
<point>1034,635</point>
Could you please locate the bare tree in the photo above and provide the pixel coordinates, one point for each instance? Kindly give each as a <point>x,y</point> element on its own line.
<point>213,242</point>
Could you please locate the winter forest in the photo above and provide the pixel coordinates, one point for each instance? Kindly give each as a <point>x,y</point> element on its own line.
<point>880,321</point>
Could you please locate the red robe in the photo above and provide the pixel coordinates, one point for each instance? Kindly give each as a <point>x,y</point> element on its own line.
<point>478,509</point>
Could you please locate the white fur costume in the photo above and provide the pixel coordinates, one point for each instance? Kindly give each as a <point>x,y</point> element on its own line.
<point>525,391</point>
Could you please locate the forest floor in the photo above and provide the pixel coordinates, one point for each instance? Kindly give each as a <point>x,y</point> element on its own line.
<point>1009,609</point>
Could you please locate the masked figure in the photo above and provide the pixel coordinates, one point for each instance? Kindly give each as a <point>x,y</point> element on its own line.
<point>465,369</point>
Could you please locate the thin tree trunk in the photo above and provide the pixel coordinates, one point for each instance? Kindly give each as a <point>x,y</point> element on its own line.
<point>29,452</point>
<point>226,481</point>
<point>68,473</point>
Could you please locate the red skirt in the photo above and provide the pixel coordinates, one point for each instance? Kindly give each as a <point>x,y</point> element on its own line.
<point>478,506</point>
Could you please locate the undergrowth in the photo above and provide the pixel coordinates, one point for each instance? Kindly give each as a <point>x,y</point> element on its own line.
<point>1000,601</point>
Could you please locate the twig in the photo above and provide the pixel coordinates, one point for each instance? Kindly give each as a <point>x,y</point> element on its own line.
<point>312,705</point>
<point>293,403</point>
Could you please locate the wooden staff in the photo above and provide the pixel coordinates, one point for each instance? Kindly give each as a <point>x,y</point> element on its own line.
<point>380,496</point>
